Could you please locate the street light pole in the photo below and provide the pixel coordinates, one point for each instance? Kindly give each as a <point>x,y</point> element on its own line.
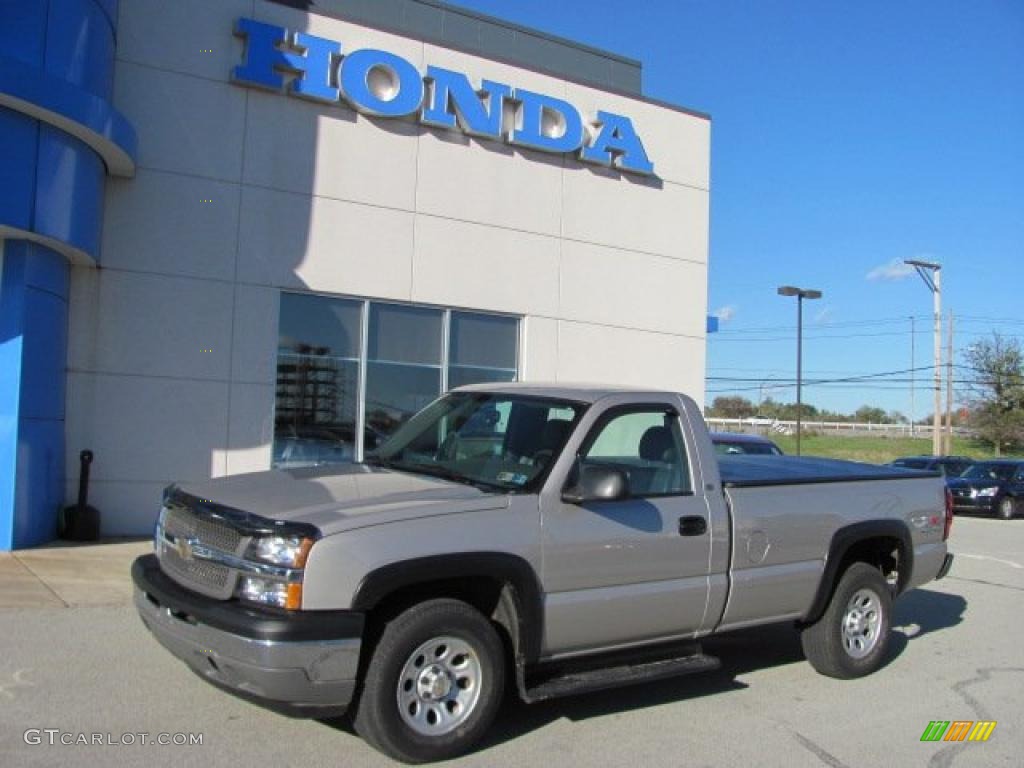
<point>801,294</point>
<point>931,273</point>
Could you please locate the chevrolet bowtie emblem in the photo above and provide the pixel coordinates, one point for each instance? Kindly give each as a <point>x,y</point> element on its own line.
<point>183,546</point>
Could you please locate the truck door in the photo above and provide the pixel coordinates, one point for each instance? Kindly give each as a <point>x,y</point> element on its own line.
<point>635,569</point>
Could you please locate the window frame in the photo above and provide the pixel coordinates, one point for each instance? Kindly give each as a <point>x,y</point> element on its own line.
<point>624,410</point>
<point>362,359</point>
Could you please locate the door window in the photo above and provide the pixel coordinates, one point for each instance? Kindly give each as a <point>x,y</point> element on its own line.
<point>647,445</point>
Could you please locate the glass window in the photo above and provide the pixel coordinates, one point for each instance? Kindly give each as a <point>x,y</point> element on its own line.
<point>317,381</point>
<point>503,442</point>
<point>648,447</point>
<point>320,379</point>
<point>481,348</point>
<point>403,366</point>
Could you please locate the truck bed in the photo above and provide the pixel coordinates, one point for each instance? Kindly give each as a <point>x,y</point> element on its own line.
<point>752,471</point>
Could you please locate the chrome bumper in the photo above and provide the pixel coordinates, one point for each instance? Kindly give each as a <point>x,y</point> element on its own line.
<point>306,678</point>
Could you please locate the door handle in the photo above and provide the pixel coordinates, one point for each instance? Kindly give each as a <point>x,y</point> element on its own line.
<point>692,526</point>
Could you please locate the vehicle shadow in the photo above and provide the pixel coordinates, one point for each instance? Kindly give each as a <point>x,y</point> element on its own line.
<point>918,612</point>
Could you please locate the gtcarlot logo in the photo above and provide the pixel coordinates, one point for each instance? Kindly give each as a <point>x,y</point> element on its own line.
<point>56,737</point>
<point>958,730</point>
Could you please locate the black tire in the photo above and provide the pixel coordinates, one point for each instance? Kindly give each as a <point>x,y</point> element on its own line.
<point>842,654</point>
<point>378,718</point>
<point>1005,508</point>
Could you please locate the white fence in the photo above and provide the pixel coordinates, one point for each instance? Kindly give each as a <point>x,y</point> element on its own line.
<point>766,426</point>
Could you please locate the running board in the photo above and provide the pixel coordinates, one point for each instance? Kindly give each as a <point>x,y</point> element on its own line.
<point>551,682</point>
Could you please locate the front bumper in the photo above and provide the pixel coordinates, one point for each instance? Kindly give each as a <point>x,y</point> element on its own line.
<point>985,504</point>
<point>303,664</point>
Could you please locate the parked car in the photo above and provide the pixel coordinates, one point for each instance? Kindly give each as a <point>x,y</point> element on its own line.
<point>737,443</point>
<point>949,466</point>
<point>584,539</point>
<point>991,487</point>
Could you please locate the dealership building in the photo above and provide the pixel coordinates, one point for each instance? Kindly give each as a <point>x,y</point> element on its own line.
<point>239,234</point>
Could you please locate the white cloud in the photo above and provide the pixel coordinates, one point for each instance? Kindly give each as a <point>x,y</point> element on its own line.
<point>891,270</point>
<point>824,316</point>
<point>726,313</point>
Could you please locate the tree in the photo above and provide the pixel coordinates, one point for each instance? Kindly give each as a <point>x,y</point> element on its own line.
<point>732,408</point>
<point>896,417</point>
<point>996,391</point>
<point>870,414</point>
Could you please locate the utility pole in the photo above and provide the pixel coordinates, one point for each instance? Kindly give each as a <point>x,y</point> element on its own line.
<point>949,387</point>
<point>931,273</point>
<point>913,373</point>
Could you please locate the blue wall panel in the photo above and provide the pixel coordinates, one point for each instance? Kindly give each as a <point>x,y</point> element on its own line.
<point>81,53</point>
<point>69,190</point>
<point>23,30</point>
<point>19,137</point>
<point>12,305</point>
<point>59,56</point>
<point>40,492</point>
<point>44,356</point>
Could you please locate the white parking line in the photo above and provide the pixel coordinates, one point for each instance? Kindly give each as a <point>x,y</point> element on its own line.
<point>1010,563</point>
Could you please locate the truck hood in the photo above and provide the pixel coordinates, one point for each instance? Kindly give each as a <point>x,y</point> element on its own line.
<point>343,497</point>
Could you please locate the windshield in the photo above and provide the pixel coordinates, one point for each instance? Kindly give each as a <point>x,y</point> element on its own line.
<point>494,441</point>
<point>989,472</point>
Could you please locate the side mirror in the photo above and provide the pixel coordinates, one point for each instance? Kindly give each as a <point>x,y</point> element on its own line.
<point>597,483</point>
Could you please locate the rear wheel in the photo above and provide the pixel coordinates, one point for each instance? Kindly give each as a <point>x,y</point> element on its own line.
<point>434,683</point>
<point>852,636</point>
<point>1005,508</point>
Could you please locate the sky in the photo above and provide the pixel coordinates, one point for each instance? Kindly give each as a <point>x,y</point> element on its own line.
<point>846,137</point>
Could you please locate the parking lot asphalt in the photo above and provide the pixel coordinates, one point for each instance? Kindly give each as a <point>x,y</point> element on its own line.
<point>86,667</point>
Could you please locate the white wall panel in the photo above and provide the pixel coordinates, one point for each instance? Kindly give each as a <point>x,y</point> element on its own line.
<point>250,428</point>
<point>254,344</point>
<point>604,355</point>
<point>633,290</point>
<point>190,36</point>
<point>144,429</point>
<point>182,121</point>
<point>468,265</point>
<point>171,224</point>
<point>153,325</point>
<point>540,350</point>
<point>126,508</point>
<point>316,243</point>
<point>329,150</point>
<point>602,207</point>
<point>489,182</point>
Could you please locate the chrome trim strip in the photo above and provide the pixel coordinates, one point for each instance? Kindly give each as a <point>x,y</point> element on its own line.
<point>200,552</point>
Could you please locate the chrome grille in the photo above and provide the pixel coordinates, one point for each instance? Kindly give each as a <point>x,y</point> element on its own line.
<point>184,526</point>
<point>182,522</point>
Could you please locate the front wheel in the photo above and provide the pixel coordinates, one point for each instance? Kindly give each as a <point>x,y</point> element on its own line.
<point>1005,508</point>
<point>434,683</point>
<point>852,636</point>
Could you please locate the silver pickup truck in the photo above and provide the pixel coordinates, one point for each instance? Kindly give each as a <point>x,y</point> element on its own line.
<point>549,539</point>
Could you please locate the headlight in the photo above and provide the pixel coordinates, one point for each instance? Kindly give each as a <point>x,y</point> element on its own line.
<point>258,589</point>
<point>285,551</point>
<point>988,492</point>
<point>278,562</point>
